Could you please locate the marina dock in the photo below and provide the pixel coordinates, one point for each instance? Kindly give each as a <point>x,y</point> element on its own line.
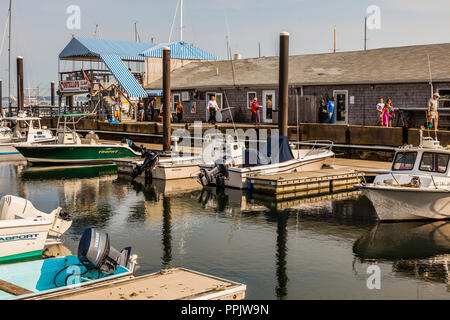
<point>339,175</point>
<point>173,284</point>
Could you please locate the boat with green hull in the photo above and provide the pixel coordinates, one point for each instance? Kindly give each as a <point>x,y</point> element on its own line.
<point>71,148</point>
<point>63,153</point>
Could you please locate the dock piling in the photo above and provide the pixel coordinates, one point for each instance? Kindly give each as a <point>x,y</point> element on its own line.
<point>284,83</point>
<point>166,105</point>
<point>52,93</point>
<point>20,92</point>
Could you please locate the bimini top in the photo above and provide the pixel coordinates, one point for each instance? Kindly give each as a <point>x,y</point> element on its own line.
<point>131,51</point>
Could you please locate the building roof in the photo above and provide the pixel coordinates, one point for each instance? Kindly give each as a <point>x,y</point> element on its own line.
<point>386,65</point>
<point>133,51</point>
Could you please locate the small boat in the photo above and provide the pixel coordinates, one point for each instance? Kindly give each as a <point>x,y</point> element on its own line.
<point>14,130</point>
<point>70,148</point>
<point>417,187</point>
<point>96,263</point>
<point>278,158</point>
<point>25,231</point>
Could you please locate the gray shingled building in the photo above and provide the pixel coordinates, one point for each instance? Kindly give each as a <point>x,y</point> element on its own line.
<point>357,79</point>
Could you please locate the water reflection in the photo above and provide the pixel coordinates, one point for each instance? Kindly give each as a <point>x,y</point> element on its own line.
<point>420,250</point>
<point>281,257</point>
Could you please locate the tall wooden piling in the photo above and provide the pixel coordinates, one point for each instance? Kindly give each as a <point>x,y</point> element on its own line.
<point>166,95</point>
<point>20,93</point>
<point>284,84</point>
<point>52,93</point>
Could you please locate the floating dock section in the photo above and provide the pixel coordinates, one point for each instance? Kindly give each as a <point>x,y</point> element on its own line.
<point>339,175</point>
<point>172,284</point>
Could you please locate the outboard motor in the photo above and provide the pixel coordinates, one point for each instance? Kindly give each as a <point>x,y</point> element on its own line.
<point>96,253</point>
<point>219,172</point>
<point>151,160</point>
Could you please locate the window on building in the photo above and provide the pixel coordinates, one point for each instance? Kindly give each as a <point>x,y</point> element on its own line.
<point>175,99</point>
<point>444,100</point>
<point>250,97</point>
<point>434,162</point>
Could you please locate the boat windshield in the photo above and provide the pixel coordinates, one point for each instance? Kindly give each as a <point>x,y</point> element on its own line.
<point>434,162</point>
<point>404,161</point>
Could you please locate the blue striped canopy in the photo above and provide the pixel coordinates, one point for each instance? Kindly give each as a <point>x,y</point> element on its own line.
<point>123,76</point>
<point>179,50</point>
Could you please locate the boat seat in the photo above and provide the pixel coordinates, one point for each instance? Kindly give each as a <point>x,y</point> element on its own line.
<point>13,289</point>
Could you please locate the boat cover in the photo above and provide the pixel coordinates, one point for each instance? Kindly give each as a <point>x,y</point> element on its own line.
<point>254,158</point>
<point>278,149</point>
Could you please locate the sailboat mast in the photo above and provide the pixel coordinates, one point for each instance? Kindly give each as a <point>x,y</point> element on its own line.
<point>181,20</point>
<point>9,59</point>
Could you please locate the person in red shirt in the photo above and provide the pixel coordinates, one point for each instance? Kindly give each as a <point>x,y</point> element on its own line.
<point>256,111</point>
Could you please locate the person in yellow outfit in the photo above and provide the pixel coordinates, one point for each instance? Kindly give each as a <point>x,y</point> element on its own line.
<point>179,111</point>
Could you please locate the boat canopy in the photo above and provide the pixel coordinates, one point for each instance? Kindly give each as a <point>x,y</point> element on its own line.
<point>277,151</point>
<point>284,152</point>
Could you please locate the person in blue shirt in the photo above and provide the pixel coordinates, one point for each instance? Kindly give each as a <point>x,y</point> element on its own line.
<point>330,108</point>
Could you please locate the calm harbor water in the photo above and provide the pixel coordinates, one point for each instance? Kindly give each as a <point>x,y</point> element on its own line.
<point>295,250</point>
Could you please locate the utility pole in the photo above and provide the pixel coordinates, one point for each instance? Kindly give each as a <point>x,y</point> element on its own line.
<point>259,49</point>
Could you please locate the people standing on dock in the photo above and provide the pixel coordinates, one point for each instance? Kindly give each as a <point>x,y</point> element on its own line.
<point>179,111</point>
<point>152,109</point>
<point>116,109</point>
<point>380,107</point>
<point>212,109</point>
<point>385,115</point>
<point>391,111</point>
<point>256,111</point>
<point>432,113</point>
<point>330,109</point>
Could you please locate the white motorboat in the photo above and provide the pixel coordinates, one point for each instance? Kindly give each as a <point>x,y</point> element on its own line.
<point>279,158</point>
<point>416,188</point>
<point>25,231</point>
<point>14,130</point>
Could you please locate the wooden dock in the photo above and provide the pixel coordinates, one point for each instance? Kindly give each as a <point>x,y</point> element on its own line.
<point>173,284</point>
<point>339,175</point>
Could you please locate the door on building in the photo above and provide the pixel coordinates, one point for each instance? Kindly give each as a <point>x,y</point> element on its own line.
<point>341,106</point>
<point>219,100</point>
<point>268,106</point>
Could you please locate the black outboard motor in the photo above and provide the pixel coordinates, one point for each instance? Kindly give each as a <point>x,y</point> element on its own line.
<point>151,160</point>
<point>96,253</point>
<point>219,173</point>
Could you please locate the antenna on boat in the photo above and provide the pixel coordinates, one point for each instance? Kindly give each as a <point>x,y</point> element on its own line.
<point>173,21</point>
<point>9,59</point>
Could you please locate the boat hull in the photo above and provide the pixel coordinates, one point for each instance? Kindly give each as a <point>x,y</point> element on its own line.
<point>22,241</point>
<point>9,153</point>
<point>238,178</point>
<point>408,203</point>
<point>75,154</point>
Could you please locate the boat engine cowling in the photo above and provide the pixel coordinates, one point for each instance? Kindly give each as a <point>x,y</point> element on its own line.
<point>96,253</point>
<point>219,172</point>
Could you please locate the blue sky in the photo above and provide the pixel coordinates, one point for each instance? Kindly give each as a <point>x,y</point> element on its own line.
<point>40,32</point>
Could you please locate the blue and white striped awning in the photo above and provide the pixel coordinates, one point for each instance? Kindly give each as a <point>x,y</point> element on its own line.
<point>123,76</point>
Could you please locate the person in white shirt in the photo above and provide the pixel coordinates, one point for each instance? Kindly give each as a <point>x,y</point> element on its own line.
<point>380,107</point>
<point>432,113</point>
<point>212,109</point>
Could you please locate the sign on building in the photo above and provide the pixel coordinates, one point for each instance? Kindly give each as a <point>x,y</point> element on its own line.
<point>74,86</point>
